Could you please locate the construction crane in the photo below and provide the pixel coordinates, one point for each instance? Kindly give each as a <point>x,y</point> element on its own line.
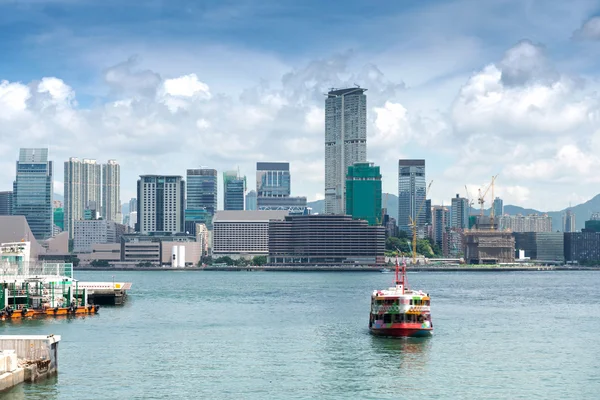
<point>481,197</point>
<point>413,224</point>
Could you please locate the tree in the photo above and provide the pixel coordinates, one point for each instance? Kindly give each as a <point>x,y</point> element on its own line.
<point>100,263</point>
<point>224,260</point>
<point>146,264</point>
<point>208,260</point>
<point>424,248</point>
<point>73,260</point>
<point>394,244</point>
<point>259,260</point>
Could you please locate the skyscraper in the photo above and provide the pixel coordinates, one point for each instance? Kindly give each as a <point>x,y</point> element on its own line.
<point>251,203</point>
<point>160,203</point>
<point>32,191</point>
<point>111,191</point>
<point>498,207</point>
<point>202,189</point>
<point>73,209</point>
<point>363,193</point>
<point>345,142</point>
<point>234,189</point>
<point>411,195</point>
<point>273,189</point>
<point>91,181</point>
<point>441,220</point>
<point>6,200</point>
<point>569,222</point>
<point>460,213</point>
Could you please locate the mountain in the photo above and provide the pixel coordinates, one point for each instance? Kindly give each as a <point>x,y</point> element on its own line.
<point>58,197</point>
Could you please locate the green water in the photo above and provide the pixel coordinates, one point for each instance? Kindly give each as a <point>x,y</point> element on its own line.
<point>270,335</point>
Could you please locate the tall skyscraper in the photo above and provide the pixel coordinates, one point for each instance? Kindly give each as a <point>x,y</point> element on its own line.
<point>273,179</point>
<point>345,142</point>
<point>251,203</point>
<point>111,191</point>
<point>441,221</point>
<point>498,207</point>
<point>460,213</point>
<point>411,195</point>
<point>569,222</point>
<point>234,189</point>
<point>273,189</point>
<point>91,184</point>
<point>73,194</point>
<point>202,190</point>
<point>363,193</point>
<point>32,191</point>
<point>6,200</point>
<point>132,205</point>
<point>160,203</point>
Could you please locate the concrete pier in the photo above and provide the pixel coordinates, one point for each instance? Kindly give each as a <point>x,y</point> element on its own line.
<point>106,293</point>
<point>27,358</point>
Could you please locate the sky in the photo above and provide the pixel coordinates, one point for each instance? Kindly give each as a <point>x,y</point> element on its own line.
<point>477,89</point>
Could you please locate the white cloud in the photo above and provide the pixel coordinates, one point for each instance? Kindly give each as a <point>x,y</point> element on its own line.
<point>13,99</point>
<point>186,86</point>
<point>590,30</point>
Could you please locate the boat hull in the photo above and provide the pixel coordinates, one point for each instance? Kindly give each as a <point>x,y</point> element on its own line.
<point>402,330</point>
<point>50,312</point>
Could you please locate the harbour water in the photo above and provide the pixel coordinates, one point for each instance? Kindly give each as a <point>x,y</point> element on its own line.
<point>274,335</point>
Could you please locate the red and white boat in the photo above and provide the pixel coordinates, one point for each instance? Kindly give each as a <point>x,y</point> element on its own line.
<point>399,311</point>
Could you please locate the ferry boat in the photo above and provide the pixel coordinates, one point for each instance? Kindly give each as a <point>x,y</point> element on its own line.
<point>400,311</point>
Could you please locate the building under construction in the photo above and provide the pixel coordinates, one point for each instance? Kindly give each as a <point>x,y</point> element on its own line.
<point>488,247</point>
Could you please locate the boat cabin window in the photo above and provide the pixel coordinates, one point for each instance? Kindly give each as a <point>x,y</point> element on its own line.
<point>387,318</point>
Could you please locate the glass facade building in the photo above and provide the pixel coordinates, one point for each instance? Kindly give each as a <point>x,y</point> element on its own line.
<point>6,200</point>
<point>273,179</point>
<point>251,201</point>
<point>33,191</point>
<point>193,217</point>
<point>202,190</point>
<point>345,142</point>
<point>363,193</point>
<point>459,213</point>
<point>411,195</point>
<point>234,190</point>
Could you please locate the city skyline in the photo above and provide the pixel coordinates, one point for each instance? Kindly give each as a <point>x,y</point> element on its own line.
<point>473,97</point>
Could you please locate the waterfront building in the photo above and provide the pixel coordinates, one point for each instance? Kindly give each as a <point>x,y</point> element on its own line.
<point>111,191</point>
<point>411,195</point>
<point>309,240</point>
<point>593,224</point>
<point>251,201</point>
<point>296,205</point>
<point>243,233</point>
<point>195,217</point>
<point>345,142</point>
<point>234,189</point>
<point>90,232</point>
<point>441,221</point>
<point>525,223</point>
<point>161,248</point>
<point>6,200</point>
<point>568,221</point>
<point>363,193</point>
<point>202,190</point>
<point>160,203</point>
<point>550,246</point>
<point>582,247</point>
<point>33,191</point>
<point>452,242</point>
<point>459,209</point>
<point>488,247</point>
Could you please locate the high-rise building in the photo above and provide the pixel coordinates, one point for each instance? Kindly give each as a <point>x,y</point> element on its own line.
<point>345,142</point>
<point>569,221</point>
<point>459,209</point>
<point>441,221</point>
<point>273,188</point>
<point>33,191</point>
<point>428,217</point>
<point>132,205</point>
<point>525,223</point>
<point>411,195</point>
<point>91,184</point>
<point>498,207</point>
<point>202,190</point>
<point>160,203</point>
<point>6,200</point>
<point>363,193</point>
<point>111,191</point>
<point>234,189</point>
<point>251,202</point>
<point>73,209</point>
<point>273,179</point>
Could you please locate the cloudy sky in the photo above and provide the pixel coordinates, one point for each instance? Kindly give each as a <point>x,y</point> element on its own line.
<point>477,88</point>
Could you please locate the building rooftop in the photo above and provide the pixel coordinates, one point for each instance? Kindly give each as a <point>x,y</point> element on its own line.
<point>246,215</point>
<point>342,92</point>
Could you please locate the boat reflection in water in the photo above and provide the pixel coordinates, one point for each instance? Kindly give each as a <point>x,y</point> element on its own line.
<point>408,353</point>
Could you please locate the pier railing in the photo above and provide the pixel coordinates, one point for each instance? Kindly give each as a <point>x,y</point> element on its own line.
<point>19,270</point>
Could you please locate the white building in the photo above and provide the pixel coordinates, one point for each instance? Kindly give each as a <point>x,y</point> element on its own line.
<point>88,233</point>
<point>111,191</point>
<point>345,142</point>
<point>526,223</point>
<point>242,233</point>
<point>161,203</point>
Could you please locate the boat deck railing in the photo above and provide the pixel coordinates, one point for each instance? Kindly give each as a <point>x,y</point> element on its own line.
<point>18,271</point>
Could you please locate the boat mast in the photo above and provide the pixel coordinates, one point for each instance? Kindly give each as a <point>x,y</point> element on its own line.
<point>401,276</point>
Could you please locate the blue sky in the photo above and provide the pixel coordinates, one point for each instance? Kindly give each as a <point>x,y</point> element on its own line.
<point>163,86</point>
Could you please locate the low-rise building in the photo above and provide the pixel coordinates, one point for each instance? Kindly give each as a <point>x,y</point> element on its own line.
<point>325,240</point>
<point>90,232</point>
<point>488,247</point>
<point>582,247</point>
<point>243,233</point>
<point>158,248</point>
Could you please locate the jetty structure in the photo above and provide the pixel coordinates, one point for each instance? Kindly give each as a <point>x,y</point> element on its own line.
<point>27,358</point>
<point>29,289</point>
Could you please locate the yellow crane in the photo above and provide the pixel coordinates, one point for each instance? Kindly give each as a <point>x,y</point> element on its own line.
<point>413,224</point>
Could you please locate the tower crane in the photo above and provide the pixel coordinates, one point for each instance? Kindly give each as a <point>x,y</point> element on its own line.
<point>413,224</point>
